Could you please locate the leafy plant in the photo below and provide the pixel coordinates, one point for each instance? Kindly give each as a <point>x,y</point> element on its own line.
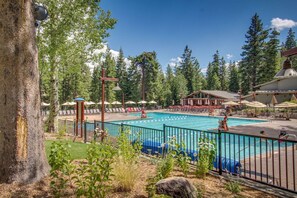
<point>61,168</point>
<point>206,156</point>
<point>233,186</point>
<point>92,179</point>
<point>130,152</point>
<point>182,159</point>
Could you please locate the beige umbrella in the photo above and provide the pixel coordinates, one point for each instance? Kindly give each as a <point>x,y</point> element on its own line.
<point>68,104</point>
<point>244,102</point>
<point>273,100</point>
<point>293,98</point>
<point>142,102</point>
<point>105,102</point>
<point>45,104</point>
<point>89,103</point>
<point>286,105</point>
<point>230,103</point>
<point>116,103</point>
<point>152,102</point>
<point>130,102</point>
<point>256,104</point>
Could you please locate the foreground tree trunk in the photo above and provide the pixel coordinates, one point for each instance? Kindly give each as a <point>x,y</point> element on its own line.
<point>22,155</point>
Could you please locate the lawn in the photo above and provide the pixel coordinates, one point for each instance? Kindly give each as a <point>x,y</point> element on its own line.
<point>77,150</point>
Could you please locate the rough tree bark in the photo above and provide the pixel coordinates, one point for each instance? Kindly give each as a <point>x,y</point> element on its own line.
<point>22,154</point>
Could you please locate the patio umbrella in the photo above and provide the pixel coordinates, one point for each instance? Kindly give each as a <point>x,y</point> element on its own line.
<point>68,104</point>
<point>256,104</point>
<point>273,100</point>
<point>230,103</point>
<point>152,102</point>
<point>286,105</point>
<point>142,102</point>
<point>130,102</point>
<point>89,103</point>
<point>45,104</point>
<point>116,103</point>
<point>105,102</point>
<point>244,102</point>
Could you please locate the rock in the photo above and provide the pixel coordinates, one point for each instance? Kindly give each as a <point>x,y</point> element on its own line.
<point>176,187</point>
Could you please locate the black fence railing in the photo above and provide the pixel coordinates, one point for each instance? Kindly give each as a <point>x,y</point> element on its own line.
<point>263,159</point>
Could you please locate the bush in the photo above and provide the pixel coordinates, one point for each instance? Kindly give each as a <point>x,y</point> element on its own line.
<point>125,168</point>
<point>182,159</point>
<point>61,168</point>
<point>125,174</point>
<point>206,156</point>
<point>233,186</point>
<point>92,179</point>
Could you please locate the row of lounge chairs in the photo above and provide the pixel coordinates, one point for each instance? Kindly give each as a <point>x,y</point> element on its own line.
<point>193,109</point>
<point>96,111</point>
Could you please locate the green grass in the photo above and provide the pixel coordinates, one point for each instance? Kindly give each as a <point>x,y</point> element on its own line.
<point>77,150</point>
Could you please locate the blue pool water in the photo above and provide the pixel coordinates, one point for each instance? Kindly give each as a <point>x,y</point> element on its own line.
<point>156,121</point>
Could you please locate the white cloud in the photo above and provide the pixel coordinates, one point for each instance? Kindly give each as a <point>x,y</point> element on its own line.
<point>175,61</point>
<point>204,70</point>
<point>229,56</point>
<point>114,54</point>
<point>280,24</point>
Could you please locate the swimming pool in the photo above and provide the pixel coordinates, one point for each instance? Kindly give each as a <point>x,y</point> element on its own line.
<point>156,121</point>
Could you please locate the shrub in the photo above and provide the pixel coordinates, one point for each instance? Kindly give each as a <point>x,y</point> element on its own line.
<point>206,156</point>
<point>233,186</point>
<point>61,168</point>
<point>125,168</point>
<point>92,178</point>
<point>125,174</point>
<point>182,159</point>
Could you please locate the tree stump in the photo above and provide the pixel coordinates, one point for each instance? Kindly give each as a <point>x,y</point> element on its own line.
<point>176,187</point>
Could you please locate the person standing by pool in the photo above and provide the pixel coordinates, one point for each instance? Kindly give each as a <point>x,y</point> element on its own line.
<point>143,114</point>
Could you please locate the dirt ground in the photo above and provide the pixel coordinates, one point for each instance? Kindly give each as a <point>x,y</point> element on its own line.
<point>210,187</point>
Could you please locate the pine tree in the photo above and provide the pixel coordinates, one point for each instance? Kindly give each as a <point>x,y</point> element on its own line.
<point>122,75</point>
<point>179,89</point>
<point>291,43</point>
<point>110,71</point>
<point>168,86</point>
<point>223,76</point>
<point>252,55</point>
<point>271,58</point>
<point>191,70</point>
<point>213,80</point>
<point>233,78</point>
<point>134,82</point>
<point>95,88</point>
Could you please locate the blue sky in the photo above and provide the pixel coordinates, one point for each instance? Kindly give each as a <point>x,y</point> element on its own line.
<point>167,26</point>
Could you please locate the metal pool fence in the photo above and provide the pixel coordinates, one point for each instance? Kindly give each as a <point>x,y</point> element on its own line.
<point>263,159</point>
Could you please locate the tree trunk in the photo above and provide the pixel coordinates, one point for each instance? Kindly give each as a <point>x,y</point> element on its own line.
<point>22,154</point>
<point>52,121</point>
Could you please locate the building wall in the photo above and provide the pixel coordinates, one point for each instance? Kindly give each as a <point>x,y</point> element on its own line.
<point>266,98</point>
<point>283,84</point>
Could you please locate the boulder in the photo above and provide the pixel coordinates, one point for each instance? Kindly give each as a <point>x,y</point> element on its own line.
<point>176,187</point>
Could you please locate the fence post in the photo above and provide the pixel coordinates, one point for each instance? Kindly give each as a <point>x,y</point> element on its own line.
<point>164,141</point>
<point>94,132</point>
<point>220,151</point>
<point>122,127</point>
<point>74,127</point>
<point>65,126</point>
<point>85,132</point>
